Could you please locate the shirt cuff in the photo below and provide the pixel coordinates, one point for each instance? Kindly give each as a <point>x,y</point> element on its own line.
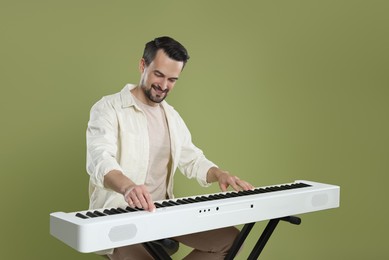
<point>203,171</point>
<point>104,168</point>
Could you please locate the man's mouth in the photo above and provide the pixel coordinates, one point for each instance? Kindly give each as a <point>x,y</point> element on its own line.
<point>159,90</point>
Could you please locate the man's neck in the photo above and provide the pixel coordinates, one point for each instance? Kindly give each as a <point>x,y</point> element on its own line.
<point>140,95</point>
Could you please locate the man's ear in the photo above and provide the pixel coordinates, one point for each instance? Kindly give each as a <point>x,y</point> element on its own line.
<point>142,65</point>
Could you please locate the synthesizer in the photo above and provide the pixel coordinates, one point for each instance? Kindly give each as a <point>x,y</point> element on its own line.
<point>99,229</point>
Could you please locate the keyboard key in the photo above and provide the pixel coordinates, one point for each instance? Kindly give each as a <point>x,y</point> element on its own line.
<point>90,214</point>
<point>81,216</point>
<point>98,213</point>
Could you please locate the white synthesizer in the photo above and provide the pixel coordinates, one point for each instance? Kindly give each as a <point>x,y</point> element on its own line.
<point>94,230</point>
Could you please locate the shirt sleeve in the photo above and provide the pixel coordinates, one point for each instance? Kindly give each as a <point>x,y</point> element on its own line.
<point>193,163</point>
<point>102,137</point>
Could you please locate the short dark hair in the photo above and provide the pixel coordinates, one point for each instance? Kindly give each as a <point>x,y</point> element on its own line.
<point>171,47</point>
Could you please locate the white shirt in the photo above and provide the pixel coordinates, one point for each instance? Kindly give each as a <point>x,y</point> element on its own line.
<point>117,139</point>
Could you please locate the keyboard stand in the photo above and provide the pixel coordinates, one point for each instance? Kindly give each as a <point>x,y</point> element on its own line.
<point>256,251</point>
<point>159,253</point>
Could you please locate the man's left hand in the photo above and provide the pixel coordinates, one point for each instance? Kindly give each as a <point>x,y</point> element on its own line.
<point>225,179</point>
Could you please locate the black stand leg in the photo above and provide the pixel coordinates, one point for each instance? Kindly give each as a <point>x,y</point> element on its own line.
<point>267,233</point>
<point>272,224</point>
<point>156,251</point>
<point>263,239</point>
<point>239,241</point>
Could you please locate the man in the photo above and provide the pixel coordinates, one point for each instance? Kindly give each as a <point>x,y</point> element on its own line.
<point>135,143</point>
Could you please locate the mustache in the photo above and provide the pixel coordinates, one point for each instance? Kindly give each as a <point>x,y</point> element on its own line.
<point>157,87</point>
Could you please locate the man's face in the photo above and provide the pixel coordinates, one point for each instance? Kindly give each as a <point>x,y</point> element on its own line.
<point>159,77</point>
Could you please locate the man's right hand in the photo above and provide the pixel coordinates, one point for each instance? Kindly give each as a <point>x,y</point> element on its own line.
<point>134,195</point>
<point>138,196</point>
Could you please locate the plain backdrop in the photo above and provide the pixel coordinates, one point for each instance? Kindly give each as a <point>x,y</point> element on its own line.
<point>275,91</point>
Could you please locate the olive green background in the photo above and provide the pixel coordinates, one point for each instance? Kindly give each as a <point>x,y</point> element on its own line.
<point>275,91</point>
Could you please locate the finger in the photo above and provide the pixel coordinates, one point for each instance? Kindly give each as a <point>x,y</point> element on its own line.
<point>236,186</point>
<point>135,200</point>
<point>137,196</point>
<point>245,185</point>
<point>223,186</point>
<point>127,197</point>
<point>150,202</point>
<point>251,187</point>
<point>130,203</point>
<point>233,182</point>
<point>147,202</point>
<point>143,202</point>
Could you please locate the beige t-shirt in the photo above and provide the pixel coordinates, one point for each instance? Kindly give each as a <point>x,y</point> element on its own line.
<point>160,155</point>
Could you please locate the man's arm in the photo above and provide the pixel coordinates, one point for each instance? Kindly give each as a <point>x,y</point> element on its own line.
<point>225,179</point>
<point>134,195</point>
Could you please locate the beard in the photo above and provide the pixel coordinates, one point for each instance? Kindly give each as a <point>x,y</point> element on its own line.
<point>159,95</point>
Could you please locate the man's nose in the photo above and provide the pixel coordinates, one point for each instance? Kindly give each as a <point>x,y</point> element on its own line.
<point>163,84</point>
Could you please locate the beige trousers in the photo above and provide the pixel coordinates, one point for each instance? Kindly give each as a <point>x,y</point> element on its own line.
<point>209,245</point>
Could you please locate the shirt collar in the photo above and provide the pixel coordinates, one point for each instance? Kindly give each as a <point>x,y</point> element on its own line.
<point>126,96</point>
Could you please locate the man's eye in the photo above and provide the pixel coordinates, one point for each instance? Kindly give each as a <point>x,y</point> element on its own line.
<point>158,74</point>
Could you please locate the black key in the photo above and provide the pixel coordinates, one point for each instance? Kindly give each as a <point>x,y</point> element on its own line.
<point>158,205</point>
<point>98,213</point>
<point>213,197</point>
<point>228,195</point>
<point>286,187</point>
<point>90,214</point>
<point>302,185</point>
<point>131,209</point>
<point>81,216</point>
<point>121,210</point>
<point>167,204</point>
<point>108,212</point>
<point>181,201</point>
<point>273,188</point>
<point>270,189</point>
<point>222,196</point>
<point>189,200</point>
<point>244,192</point>
<point>115,211</point>
<point>200,199</point>
<point>299,185</point>
<point>173,202</point>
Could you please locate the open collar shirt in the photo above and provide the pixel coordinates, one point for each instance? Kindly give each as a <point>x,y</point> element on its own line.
<point>117,139</point>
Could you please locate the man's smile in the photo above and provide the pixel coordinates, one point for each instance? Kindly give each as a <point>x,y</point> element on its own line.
<point>159,90</point>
